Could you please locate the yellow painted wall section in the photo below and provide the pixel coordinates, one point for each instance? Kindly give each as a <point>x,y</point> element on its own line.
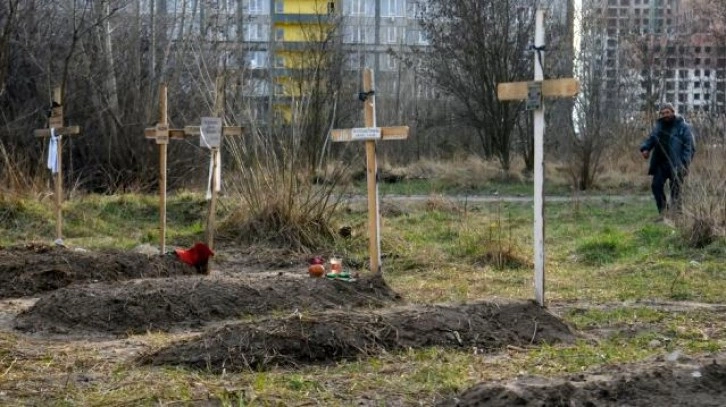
<point>302,32</point>
<point>287,86</point>
<point>298,60</point>
<point>305,7</point>
<point>285,111</point>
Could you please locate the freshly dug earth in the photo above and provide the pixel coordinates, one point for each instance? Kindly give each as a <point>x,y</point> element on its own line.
<point>163,304</point>
<point>332,336</point>
<point>660,383</point>
<point>33,269</point>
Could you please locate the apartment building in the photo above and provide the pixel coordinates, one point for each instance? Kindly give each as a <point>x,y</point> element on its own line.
<point>652,51</point>
<point>274,41</point>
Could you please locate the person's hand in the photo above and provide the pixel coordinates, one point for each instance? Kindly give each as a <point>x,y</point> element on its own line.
<point>684,172</point>
<point>645,154</point>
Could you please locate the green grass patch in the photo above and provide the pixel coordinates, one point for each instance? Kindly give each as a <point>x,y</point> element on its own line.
<point>606,256</point>
<point>605,248</point>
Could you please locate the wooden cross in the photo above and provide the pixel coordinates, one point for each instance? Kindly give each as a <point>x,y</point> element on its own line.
<point>162,134</point>
<point>533,93</point>
<point>56,122</point>
<point>370,134</point>
<point>211,132</point>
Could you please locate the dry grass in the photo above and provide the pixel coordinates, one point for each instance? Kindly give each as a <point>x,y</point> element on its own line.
<point>703,217</point>
<point>14,175</point>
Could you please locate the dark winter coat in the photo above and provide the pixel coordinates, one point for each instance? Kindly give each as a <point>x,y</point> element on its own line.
<point>670,146</point>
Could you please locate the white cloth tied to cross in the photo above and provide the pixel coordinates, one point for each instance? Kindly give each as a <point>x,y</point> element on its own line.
<point>53,151</point>
<point>212,168</point>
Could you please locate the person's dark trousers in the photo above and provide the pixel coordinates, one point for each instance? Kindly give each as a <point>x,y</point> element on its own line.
<point>660,176</point>
<point>676,188</point>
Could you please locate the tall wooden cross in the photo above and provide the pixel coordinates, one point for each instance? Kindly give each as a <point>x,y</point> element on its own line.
<point>533,93</point>
<point>57,128</point>
<point>371,133</point>
<point>213,130</point>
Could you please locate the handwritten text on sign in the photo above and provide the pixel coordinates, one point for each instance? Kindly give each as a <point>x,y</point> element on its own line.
<point>366,133</point>
<point>211,132</point>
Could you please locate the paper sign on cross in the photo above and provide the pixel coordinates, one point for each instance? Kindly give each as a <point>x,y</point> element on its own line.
<point>371,133</point>
<point>56,123</point>
<point>533,93</point>
<point>212,129</point>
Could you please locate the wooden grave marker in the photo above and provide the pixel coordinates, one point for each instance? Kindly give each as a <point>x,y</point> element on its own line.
<point>213,132</point>
<point>371,134</point>
<point>534,93</point>
<point>57,128</point>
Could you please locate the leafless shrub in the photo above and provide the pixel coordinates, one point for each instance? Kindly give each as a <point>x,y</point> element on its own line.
<point>703,216</point>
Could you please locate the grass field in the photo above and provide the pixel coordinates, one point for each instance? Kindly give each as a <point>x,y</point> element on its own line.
<point>628,284</point>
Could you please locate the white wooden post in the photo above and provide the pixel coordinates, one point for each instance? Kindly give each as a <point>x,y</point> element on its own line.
<point>539,128</point>
<point>535,92</point>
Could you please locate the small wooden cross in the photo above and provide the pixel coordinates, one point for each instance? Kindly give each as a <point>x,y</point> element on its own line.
<point>56,122</point>
<point>162,134</point>
<point>370,134</point>
<point>533,93</point>
<point>213,131</point>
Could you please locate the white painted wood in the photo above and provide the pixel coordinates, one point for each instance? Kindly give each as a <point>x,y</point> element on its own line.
<point>539,128</point>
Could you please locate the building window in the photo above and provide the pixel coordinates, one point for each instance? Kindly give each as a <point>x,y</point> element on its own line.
<point>358,7</point>
<point>280,34</point>
<point>356,34</point>
<point>279,6</point>
<point>353,62</point>
<point>255,7</point>
<point>389,63</point>
<point>391,36</point>
<point>423,39</point>
<point>255,32</point>
<point>257,59</point>
<point>392,8</point>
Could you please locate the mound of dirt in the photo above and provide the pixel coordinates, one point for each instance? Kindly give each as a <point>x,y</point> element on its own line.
<point>163,304</point>
<point>656,383</point>
<point>33,269</point>
<point>334,335</point>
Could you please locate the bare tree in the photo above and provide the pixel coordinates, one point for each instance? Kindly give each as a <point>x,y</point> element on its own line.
<point>474,45</point>
<point>8,21</point>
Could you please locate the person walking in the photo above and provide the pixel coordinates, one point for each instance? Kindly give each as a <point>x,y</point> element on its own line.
<point>670,148</point>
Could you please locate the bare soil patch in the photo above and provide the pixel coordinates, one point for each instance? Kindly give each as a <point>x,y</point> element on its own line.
<point>164,304</point>
<point>700,382</point>
<point>35,268</point>
<point>333,336</point>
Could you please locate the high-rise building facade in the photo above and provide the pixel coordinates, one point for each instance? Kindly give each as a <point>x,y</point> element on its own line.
<point>654,51</point>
